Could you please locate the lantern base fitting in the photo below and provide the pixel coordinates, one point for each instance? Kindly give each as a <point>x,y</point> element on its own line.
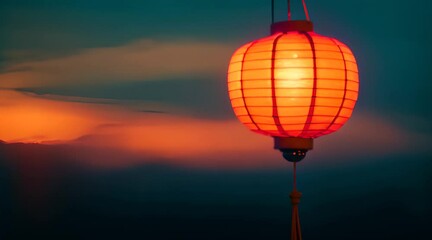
<point>293,149</point>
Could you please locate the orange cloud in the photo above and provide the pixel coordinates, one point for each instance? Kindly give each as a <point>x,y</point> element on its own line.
<point>142,60</point>
<point>196,142</point>
<point>24,118</point>
<point>31,118</point>
<point>138,137</point>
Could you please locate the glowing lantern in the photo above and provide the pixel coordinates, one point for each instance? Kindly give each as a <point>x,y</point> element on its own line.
<point>294,85</point>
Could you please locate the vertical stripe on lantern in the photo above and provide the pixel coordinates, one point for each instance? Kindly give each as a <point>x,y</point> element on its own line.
<point>274,99</point>
<point>345,87</point>
<point>242,88</point>
<point>314,90</point>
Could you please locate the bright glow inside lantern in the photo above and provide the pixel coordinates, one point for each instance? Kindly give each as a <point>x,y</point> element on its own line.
<point>294,83</point>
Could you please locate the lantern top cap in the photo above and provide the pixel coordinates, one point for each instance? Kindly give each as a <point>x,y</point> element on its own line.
<point>290,26</point>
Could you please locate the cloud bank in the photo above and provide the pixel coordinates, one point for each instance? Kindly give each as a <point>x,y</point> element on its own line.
<point>140,60</point>
<point>178,139</point>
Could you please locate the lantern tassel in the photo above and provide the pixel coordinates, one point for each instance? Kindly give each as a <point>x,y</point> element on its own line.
<point>295,200</point>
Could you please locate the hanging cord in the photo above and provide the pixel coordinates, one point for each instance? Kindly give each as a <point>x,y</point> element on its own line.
<point>306,10</point>
<point>295,200</point>
<point>289,10</point>
<point>294,176</point>
<point>272,11</point>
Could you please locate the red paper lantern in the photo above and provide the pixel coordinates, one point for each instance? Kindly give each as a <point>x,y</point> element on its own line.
<point>294,85</point>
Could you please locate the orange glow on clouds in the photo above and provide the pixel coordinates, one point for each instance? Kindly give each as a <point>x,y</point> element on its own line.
<point>121,136</point>
<point>195,142</point>
<point>30,119</point>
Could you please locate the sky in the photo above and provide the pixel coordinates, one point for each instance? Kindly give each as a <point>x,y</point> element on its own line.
<point>135,92</point>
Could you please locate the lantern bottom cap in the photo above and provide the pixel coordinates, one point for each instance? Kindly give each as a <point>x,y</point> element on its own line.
<point>293,149</point>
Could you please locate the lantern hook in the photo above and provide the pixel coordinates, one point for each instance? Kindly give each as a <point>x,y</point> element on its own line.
<point>306,12</point>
